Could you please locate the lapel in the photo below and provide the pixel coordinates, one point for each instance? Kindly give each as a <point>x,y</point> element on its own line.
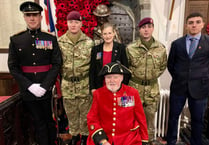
<point>184,46</point>
<point>200,45</point>
<point>100,50</point>
<point>115,51</point>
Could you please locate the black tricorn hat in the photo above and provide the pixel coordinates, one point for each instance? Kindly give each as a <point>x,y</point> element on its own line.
<point>30,7</point>
<point>114,68</point>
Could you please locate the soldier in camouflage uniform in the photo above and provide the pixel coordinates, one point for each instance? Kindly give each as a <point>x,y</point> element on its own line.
<point>147,61</point>
<point>102,12</point>
<point>76,49</point>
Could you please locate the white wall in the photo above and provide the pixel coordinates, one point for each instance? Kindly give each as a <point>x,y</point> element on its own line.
<point>167,30</point>
<point>11,22</point>
<point>3,62</point>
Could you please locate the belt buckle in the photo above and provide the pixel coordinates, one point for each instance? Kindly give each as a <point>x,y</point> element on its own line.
<point>71,79</point>
<point>77,79</point>
<point>74,79</point>
<point>145,82</point>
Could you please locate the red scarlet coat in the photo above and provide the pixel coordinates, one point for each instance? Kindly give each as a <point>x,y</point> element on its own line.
<point>118,117</point>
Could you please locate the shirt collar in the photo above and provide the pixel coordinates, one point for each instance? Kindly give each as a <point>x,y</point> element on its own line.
<point>197,37</point>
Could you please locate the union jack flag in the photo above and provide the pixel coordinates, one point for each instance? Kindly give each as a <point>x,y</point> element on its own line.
<point>48,16</point>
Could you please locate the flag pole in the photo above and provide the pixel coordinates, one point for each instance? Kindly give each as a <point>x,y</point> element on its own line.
<point>169,19</point>
<point>171,11</point>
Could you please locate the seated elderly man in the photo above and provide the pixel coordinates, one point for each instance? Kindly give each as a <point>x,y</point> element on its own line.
<point>116,115</point>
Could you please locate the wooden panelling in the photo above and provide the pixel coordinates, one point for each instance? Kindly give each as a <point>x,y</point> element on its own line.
<point>15,123</point>
<point>3,50</point>
<point>8,85</point>
<point>201,6</point>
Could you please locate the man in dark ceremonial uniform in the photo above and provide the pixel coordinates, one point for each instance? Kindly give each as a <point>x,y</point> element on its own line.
<point>35,60</point>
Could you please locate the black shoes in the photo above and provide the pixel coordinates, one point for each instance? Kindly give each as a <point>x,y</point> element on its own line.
<point>83,139</point>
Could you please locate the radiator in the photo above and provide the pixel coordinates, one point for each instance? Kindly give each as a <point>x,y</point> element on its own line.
<point>161,116</point>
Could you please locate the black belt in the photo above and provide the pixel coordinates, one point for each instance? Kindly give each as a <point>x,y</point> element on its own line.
<point>77,79</point>
<point>144,82</point>
<point>74,79</point>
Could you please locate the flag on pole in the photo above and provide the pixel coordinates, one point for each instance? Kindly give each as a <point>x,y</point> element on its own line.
<point>171,10</point>
<point>48,16</point>
<point>170,14</point>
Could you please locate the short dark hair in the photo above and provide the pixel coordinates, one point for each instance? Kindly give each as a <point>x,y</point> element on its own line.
<point>195,14</point>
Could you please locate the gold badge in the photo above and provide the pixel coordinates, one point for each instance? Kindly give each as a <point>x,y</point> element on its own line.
<point>92,127</point>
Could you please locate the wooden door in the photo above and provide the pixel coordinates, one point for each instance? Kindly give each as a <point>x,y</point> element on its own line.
<point>201,6</point>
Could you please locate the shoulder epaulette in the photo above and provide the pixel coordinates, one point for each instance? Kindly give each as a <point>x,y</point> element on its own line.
<point>20,32</point>
<point>162,44</point>
<point>50,33</point>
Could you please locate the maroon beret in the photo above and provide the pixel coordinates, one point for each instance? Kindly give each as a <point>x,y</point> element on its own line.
<point>146,20</point>
<point>74,15</point>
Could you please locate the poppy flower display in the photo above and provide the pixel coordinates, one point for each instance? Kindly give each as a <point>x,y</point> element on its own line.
<point>85,7</point>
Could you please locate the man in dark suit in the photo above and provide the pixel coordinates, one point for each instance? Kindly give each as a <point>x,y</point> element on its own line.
<point>35,60</point>
<point>188,64</point>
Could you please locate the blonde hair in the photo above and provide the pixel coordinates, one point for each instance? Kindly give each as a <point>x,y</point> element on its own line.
<point>107,24</point>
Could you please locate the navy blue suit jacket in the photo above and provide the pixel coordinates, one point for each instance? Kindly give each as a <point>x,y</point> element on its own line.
<point>189,75</point>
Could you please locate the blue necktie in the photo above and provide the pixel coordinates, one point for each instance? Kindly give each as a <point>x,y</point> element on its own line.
<point>192,47</point>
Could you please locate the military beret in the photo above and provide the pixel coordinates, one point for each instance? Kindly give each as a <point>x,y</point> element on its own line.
<point>146,20</point>
<point>30,7</point>
<point>114,68</point>
<point>74,15</point>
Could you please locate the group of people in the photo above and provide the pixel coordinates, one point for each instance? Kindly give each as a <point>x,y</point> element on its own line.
<point>110,90</point>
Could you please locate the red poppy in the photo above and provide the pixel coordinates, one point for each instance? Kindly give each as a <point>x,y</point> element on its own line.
<point>63,7</point>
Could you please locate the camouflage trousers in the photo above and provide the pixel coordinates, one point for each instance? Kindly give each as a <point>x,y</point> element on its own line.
<point>150,111</point>
<point>77,110</point>
<point>150,96</point>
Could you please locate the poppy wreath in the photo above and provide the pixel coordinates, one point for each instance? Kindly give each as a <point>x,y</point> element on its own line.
<point>85,7</point>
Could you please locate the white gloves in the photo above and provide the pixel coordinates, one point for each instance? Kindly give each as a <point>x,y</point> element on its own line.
<point>37,90</point>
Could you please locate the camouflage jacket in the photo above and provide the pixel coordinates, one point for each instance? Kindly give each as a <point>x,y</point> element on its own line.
<point>146,64</point>
<point>76,62</point>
